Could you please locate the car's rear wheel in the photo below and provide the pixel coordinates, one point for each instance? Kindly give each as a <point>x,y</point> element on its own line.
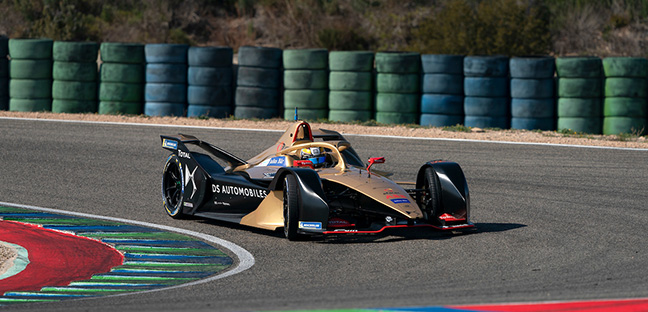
<point>173,187</point>
<point>290,207</point>
<point>431,201</point>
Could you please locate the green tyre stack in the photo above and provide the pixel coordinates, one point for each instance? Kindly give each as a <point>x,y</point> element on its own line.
<point>4,73</point>
<point>74,89</point>
<point>442,88</point>
<point>305,80</point>
<point>397,87</point>
<point>258,83</point>
<point>486,102</point>
<point>210,80</point>
<point>532,93</point>
<point>121,78</point>
<point>30,73</point>
<point>624,106</point>
<point>165,92</point>
<point>579,90</point>
<point>350,85</point>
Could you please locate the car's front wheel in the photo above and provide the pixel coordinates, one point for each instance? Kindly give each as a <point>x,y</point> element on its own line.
<point>431,201</point>
<point>173,187</point>
<point>290,207</point>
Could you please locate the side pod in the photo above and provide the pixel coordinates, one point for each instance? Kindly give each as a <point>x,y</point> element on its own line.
<point>313,209</point>
<point>455,197</point>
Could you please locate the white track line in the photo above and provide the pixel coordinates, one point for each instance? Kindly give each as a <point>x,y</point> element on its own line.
<point>345,134</point>
<point>246,260</point>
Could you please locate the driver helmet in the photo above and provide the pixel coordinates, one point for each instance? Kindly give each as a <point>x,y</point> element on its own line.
<point>315,155</point>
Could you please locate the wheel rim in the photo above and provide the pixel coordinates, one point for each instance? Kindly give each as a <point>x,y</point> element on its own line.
<point>173,187</point>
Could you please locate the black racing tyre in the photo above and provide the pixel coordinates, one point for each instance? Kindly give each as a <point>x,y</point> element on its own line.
<point>625,87</point>
<point>210,56</point>
<point>30,88</point>
<point>625,107</point>
<point>210,76</point>
<point>73,107</point>
<point>397,102</point>
<point>30,69</point>
<point>579,107</point>
<point>362,61</point>
<point>486,106</point>
<point>68,51</point>
<point>259,57</point>
<point>625,67</point>
<point>486,86</point>
<point>305,59</point>
<point>166,53</point>
<point>209,111</point>
<point>290,207</point>
<point>305,79</point>
<point>75,71</point>
<point>350,100</point>
<point>30,105</point>
<point>592,125</point>
<point>258,77</point>
<point>246,112</point>
<point>173,187</point>
<point>74,90</point>
<point>397,118</point>
<point>113,52</point>
<point>532,88</point>
<point>30,48</point>
<point>442,64</point>
<point>444,104</point>
<point>166,73</point>
<point>123,73</point>
<point>306,114</point>
<point>257,97</point>
<point>533,108</point>
<point>165,92</point>
<point>398,62</point>
<point>486,66</point>
<point>308,99</point>
<point>209,95</point>
<point>350,81</point>
<point>349,115</point>
<point>441,120</point>
<point>164,109</point>
<point>486,122</point>
<point>541,67</point>
<point>532,123</point>
<point>619,125</point>
<point>121,92</point>
<point>443,83</point>
<point>431,199</point>
<point>119,108</point>
<point>579,67</point>
<point>397,83</point>
<point>579,87</point>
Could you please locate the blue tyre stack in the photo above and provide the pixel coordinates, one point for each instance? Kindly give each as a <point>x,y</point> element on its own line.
<point>121,78</point>
<point>210,79</point>
<point>4,73</point>
<point>397,87</point>
<point>486,104</point>
<point>442,88</point>
<point>350,85</point>
<point>74,89</point>
<point>305,80</point>
<point>30,72</point>
<point>165,93</point>
<point>258,83</point>
<point>532,93</point>
<point>579,94</point>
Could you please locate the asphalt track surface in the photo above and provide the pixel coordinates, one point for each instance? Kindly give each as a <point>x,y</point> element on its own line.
<point>553,223</point>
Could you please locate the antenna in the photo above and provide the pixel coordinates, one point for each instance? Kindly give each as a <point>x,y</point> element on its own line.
<point>296,118</point>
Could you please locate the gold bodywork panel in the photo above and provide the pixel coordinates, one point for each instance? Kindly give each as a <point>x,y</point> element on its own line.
<point>269,214</point>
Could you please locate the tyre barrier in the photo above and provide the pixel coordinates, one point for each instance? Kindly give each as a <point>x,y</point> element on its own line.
<point>625,104</point>
<point>74,73</point>
<point>255,95</point>
<point>210,79</point>
<point>121,78</point>
<point>397,87</point>
<point>306,84</point>
<point>165,91</point>
<point>351,86</point>
<point>443,90</point>
<point>4,73</point>
<point>486,104</point>
<point>579,94</point>
<point>532,93</point>
<point>30,73</point>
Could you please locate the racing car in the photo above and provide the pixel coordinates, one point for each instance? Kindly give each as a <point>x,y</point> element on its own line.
<point>310,182</point>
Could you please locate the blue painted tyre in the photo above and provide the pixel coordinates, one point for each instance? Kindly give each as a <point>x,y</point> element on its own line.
<point>355,61</point>
<point>397,118</point>
<point>397,103</point>
<point>210,96</point>
<point>443,83</point>
<point>305,79</point>
<point>349,115</point>
<point>593,125</point>
<point>442,64</point>
<point>210,56</point>
<point>397,83</point>
<point>210,76</point>
<point>486,122</point>
<point>165,92</point>
<point>486,66</point>
<point>248,112</point>
<point>579,107</point>
<point>442,104</point>
<point>532,67</point>
<point>532,123</point>
<point>257,97</point>
<point>350,100</point>
<point>485,106</point>
<point>258,77</point>
<point>306,114</point>
<point>532,108</point>
<point>166,53</point>
<point>119,108</point>
<point>164,109</point>
<point>166,73</point>
<point>532,88</point>
<point>209,111</point>
<point>486,86</point>
<point>259,57</point>
<point>441,120</point>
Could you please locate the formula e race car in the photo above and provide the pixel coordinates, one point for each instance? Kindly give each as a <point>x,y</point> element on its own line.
<point>311,182</point>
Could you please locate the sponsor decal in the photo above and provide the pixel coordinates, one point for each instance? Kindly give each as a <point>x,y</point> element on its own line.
<point>400,201</point>
<point>186,204</point>
<point>184,154</point>
<point>277,161</point>
<point>221,203</point>
<point>339,223</point>
<point>281,146</point>
<point>169,144</point>
<point>310,225</point>
<point>190,177</point>
<point>238,191</point>
<point>269,174</point>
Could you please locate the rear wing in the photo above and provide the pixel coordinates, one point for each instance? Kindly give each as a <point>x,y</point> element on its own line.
<point>177,144</point>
